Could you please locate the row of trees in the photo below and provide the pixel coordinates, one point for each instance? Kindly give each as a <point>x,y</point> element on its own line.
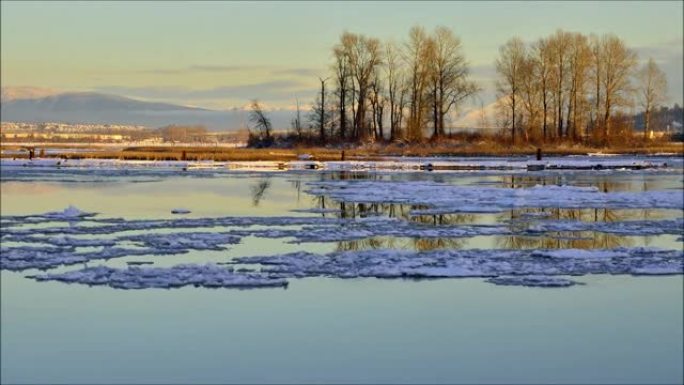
<point>409,86</point>
<point>565,86</point>
<point>389,90</point>
<point>572,86</point>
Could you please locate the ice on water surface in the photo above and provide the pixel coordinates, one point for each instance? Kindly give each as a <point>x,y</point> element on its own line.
<point>72,236</point>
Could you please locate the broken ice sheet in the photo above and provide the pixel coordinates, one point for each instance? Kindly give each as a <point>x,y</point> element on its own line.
<point>133,277</point>
<point>533,281</point>
<point>537,268</point>
<point>389,263</point>
<point>442,198</point>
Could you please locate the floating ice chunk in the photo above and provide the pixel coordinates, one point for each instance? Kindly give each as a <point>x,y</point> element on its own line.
<point>533,281</point>
<point>209,275</point>
<point>441,198</point>
<point>654,269</point>
<point>71,212</point>
<point>180,211</point>
<point>387,263</point>
<point>32,257</point>
<point>505,267</point>
<point>183,241</point>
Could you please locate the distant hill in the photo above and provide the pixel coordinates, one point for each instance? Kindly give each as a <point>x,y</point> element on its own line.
<point>91,107</point>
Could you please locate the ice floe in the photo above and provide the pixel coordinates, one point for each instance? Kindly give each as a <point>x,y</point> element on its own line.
<point>390,263</point>
<point>19,258</point>
<point>69,213</point>
<point>210,276</point>
<point>183,241</point>
<point>443,198</point>
<point>536,268</point>
<point>533,281</point>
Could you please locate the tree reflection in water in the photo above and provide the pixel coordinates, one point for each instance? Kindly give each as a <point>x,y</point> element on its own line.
<point>259,189</point>
<point>519,220</point>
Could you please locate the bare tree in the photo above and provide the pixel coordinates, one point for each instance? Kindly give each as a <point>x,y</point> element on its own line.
<point>395,87</point>
<point>342,79</point>
<point>260,121</point>
<point>377,101</point>
<point>364,56</point>
<point>560,46</point>
<point>543,65</point>
<point>652,91</point>
<point>596,68</point>
<point>296,122</point>
<point>618,64</point>
<point>449,73</point>
<point>530,92</point>
<point>417,55</point>
<point>322,115</point>
<point>510,65</point>
<point>579,54</point>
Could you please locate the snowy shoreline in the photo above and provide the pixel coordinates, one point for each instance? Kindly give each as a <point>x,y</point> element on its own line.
<point>602,162</point>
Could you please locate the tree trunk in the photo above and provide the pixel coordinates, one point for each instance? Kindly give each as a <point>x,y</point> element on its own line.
<point>322,117</point>
<point>435,117</point>
<point>647,122</point>
<point>513,120</point>
<point>343,112</point>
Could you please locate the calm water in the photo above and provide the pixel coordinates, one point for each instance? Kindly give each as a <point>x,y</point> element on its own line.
<point>615,329</point>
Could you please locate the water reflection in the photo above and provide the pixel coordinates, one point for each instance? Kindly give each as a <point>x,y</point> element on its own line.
<point>518,220</point>
<point>604,183</point>
<point>259,189</point>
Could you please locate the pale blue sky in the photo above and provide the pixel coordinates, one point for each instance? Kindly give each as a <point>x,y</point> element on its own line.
<point>221,54</point>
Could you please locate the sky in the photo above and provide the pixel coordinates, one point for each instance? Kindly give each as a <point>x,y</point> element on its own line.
<point>222,54</point>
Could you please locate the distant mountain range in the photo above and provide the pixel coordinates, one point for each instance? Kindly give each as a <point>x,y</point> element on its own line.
<point>90,107</point>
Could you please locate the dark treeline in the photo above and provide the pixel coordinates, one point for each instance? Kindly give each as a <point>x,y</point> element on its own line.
<point>564,87</point>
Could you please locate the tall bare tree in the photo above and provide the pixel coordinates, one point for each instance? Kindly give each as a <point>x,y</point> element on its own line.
<point>652,91</point>
<point>323,113</point>
<point>560,45</point>
<point>296,122</point>
<point>542,55</point>
<point>261,122</point>
<point>378,102</point>
<point>595,71</point>
<point>342,79</point>
<point>417,53</point>
<point>364,56</point>
<point>530,92</point>
<point>320,117</point>
<point>509,66</point>
<point>449,72</point>
<point>395,87</point>
<point>618,65</point>
<point>578,66</point>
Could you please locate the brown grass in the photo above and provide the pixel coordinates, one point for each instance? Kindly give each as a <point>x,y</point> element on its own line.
<point>366,152</point>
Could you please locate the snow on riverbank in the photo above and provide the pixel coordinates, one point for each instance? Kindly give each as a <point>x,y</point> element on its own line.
<point>390,164</point>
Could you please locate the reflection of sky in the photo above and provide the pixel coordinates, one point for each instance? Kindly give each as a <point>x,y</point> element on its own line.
<point>615,329</point>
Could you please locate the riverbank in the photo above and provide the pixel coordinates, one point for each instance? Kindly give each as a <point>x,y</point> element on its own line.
<point>365,152</point>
